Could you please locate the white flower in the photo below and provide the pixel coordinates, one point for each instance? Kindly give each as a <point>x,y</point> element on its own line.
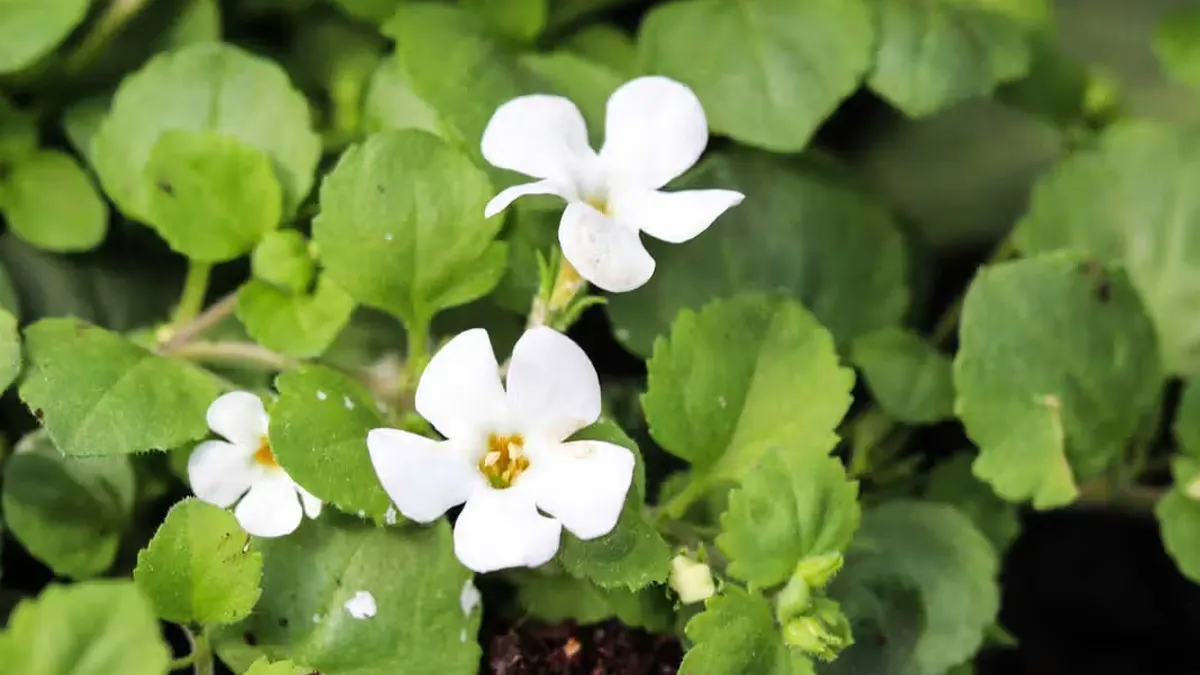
<point>654,131</point>
<point>222,471</point>
<point>505,457</point>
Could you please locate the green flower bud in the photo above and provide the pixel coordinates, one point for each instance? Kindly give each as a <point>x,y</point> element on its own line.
<point>691,580</point>
<point>794,600</point>
<point>818,570</point>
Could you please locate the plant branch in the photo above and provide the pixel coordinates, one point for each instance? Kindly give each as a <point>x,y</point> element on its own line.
<point>177,336</point>
<point>247,353</point>
<point>1136,498</point>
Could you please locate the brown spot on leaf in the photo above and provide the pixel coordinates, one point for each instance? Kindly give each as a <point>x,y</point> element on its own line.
<point>166,188</point>
<point>250,639</point>
<point>39,413</point>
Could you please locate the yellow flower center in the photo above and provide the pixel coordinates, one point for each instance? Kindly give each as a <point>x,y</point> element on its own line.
<point>263,454</point>
<point>599,203</point>
<point>504,460</point>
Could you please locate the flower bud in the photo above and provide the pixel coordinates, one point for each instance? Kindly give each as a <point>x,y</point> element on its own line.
<point>690,579</point>
<point>818,570</point>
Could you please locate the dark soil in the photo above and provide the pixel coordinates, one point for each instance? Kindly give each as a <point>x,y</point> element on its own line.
<point>570,649</point>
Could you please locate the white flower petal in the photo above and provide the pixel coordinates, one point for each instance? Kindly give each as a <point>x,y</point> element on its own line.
<point>312,505</point>
<point>603,251</point>
<point>510,195</point>
<point>270,509</point>
<point>553,389</point>
<point>672,216</point>
<point>499,529</point>
<point>220,472</point>
<point>583,484</point>
<point>541,136</point>
<point>460,392</point>
<point>239,416</point>
<point>654,131</point>
<point>423,477</point>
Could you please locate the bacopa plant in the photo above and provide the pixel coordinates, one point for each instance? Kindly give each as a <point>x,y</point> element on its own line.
<point>334,326</point>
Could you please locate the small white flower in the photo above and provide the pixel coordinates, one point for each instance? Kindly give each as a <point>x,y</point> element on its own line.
<point>654,131</point>
<point>505,457</point>
<point>222,471</point>
<point>361,606</point>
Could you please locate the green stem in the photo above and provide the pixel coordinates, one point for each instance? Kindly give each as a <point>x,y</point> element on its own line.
<point>174,336</point>
<point>679,503</point>
<point>417,338</point>
<point>119,12</point>
<point>201,658</point>
<point>231,351</point>
<point>195,287</point>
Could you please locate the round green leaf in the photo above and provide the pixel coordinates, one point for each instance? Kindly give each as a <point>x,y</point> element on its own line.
<point>98,628</point>
<point>319,431</point>
<point>210,196</point>
<point>50,202</point>
<point>952,482</point>
<point>99,394</point>
<point>68,512</point>
<point>910,378</point>
<point>742,378</point>
<point>30,29</point>
<point>205,87</point>
<point>283,259</point>
<point>298,324</point>
<point>736,634</point>
<point>930,54</point>
<point>519,20</point>
<point>391,103</point>
<point>803,231</point>
<point>1177,44</point>
<point>419,625</point>
<point>198,568</point>
<point>10,349</point>
<point>767,71</point>
<point>1057,363</point>
<point>1129,201</point>
<point>401,226</point>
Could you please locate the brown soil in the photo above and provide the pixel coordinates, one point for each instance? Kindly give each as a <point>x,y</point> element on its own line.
<point>569,649</point>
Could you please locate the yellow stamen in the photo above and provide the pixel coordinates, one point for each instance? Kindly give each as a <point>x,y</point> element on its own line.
<point>504,461</point>
<point>598,203</point>
<point>263,454</point>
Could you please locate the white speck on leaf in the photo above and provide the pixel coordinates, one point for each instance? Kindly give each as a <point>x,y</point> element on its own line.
<point>362,514</point>
<point>462,637</point>
<point>361,606</point>
<point>387,237</point>
<point>348,403</point>
<point>469,598</point>
<point>316,618</point>
<point>721,401</point>
<point>321,396</point>
<point>623,334</point>
<point>390,516</point>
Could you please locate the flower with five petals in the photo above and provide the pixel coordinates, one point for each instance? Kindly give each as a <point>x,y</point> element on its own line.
<point>655,130</point>
<point>505,455</point>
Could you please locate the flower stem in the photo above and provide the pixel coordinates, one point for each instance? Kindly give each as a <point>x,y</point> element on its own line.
<point>679,503</point>
<point>247,353</point>
<point>417,339</point>
<point>119,12</point>
<point>195,287</point>
<point>549,305</point>
<point>201,657</point>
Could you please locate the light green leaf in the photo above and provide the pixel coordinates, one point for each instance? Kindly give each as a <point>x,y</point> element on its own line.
<point>265,667</point>
<point>401,226</point>
<point>199,21</point>
<point>68,512</point>
<point>931,54</point>
<point>736,635</point>
<point>98,394</point>
<point>212,197</point>
<point>1177,44</point>
<point>1178,514</point>
<point>419,625</point>
<point>1187,420</point>
<point>205,87</point>
<point>198,569</point>
<point>1057,364</point>
<point>519,20</point>
<point>910,378</point>
<point>90,628</point>
<point>371,11</point>
<point>952,482</point>
<point>391,104</point>
<point>742,378</point>
<point>555,598</point>
<point>82,119</point>
<point>1128,201</point>
<point>283,259</point>
<point>632,556</point>
<point>319,431</point>
<point>767,71</point>
<point>298,324</point>
<point>10,349</point>
<point>51,203</point>
<point>789,507</point>
<point>805,231</point>
<point>606,45</point>
<point>936,551</point>
<point>31,29</point>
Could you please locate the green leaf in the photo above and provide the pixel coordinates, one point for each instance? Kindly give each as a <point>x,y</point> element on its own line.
<point>10,349</point>
<point>586,83</point>
<point>1178,514</point>
<point>99,394</point>
<point>952,482</point>
<point>391,104</point>
<point>910,378</point>
<point>789,507</point>
<point>743,377</point>
<point>555,598</point>
<point>937,552</point>
<point>1187,420</point>
<point>1128,201</point>
<point>198,21</point>
<point>212,197</point>
<point>31,29</point>
<point>265,667</point>
<point>606,45</point>
<point>768,72</point>
<point>401,226</point>
<point>18,133</point>
<point>82,119</point>
<point>68,512</point>
<point>205,87</point>
<point>283,259</point>
<point>298,324</point>
<point>90,628</point>
<point>198,569</point>
<point>1057,363</point>
<point>802,230</point>
<point>736,635</point>
<point>419,625</point>
<point>319,431</point>
<point>51,203</point>
<point>371,11</point>
<point>632,556</point>
<point>519,20</point>
<point>931,54</point>
<point>1177,44</point>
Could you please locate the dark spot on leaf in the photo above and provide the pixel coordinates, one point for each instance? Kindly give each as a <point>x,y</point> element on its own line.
<point>249,639</point>
<point>1101,283</point>
<point>166,187</point>
<point>39,413</point>
<point>379,189</point>
<point>283,623</point>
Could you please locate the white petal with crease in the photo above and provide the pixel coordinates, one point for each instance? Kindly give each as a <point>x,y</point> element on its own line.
<point>220,472</point>
<point>460,392</point>
<point>270,509</point>
<point>239,416</point>
<point>673,216</point>
<point>654,131</point>
<point>603,251</point>
<point>509,195</point>
<point>553,390</point>
<point>583,484</point>
<point>499,529</point>
<point>538,135</point>
<point>424,478</point>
